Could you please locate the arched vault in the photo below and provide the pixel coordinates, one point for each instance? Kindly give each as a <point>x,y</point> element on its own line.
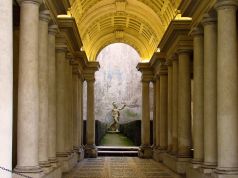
<point>139,23</point>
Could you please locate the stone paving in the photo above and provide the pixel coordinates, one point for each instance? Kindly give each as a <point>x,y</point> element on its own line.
<point>120,167</point>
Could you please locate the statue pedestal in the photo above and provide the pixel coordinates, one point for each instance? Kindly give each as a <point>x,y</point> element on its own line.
<point>113,132</point>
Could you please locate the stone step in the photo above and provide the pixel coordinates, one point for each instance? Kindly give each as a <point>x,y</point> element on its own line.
<point>117,151</point>
<point>118,148</point>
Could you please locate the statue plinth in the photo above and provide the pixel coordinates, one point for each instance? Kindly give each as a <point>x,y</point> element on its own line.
<point>113,132</point>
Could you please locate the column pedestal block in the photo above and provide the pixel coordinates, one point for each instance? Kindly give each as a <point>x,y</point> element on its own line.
<point>54,173</point>
<point>197,173</point>
<point>64,162</point>
<point>158,154</point>
<point>145,152</point>
<point>91,151</point>
<point>179,165</point>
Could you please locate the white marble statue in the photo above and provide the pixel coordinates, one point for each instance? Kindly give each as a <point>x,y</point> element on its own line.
<point>115,115</point>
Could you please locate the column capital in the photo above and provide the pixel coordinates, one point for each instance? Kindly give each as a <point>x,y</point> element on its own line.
<point>29,1</point>
<point>61,48</point>
<point>45,15</point>
<point>209,19</point>
<point>184,51</point>
<point>197,31</point>
<point>53,29</point>
<point>169,62</point>
<point>146,70</point>
<point>224,4</point>
<point>163,68</point>
<point>89,72</point>
<point>75,69</point>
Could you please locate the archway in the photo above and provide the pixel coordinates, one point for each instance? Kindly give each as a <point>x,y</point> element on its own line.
<point>117,81</point>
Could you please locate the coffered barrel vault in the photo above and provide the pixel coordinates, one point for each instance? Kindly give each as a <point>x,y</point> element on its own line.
<point>139,23</point>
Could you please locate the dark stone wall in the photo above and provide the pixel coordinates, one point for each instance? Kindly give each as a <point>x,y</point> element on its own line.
<point>133,131</point>
<point>100,131</point>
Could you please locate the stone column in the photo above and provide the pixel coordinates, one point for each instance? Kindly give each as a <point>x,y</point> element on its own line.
<point>145,148</point>
<point>227,89</point>
<point>170,105</point>
<point>90,148</point>
<point>175,108</point>
<point>71,124</point>
<point>163,120</point>
<point>184,106</point>
<point>76,108</point>
<point>43,89</point>
<point>60,99</point>
<point>52,95</point>
<point>70,102</point>
<point>198,95</point>
<point>6,87</point>
<point>154,113</point>
<point>28,90</point>
<point>157,131</point>
<point>80,117</point>
<point>210,92</point>
<point>67,118</point>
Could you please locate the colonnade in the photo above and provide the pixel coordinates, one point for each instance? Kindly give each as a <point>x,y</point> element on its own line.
<point>196,107</point>
<point>50,94</point>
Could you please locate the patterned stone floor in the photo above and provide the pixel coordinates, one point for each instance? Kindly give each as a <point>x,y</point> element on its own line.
<point>120,167</point>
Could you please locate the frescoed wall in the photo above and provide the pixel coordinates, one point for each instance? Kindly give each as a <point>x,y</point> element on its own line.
<point>118,81</point>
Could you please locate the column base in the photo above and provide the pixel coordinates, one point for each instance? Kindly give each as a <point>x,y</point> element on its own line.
<point>54,162</point>
<point>30,171</point>
<point>81,153</point>
<point>208,168</point>
<point>196,163</point>
<point>178,165</point>
<point>45,166</point>
<point>226,173</point>
<point>145,152</point>
<point>91,151</point>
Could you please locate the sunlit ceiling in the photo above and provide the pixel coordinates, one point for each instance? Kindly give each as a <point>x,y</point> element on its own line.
<point>139,23</point>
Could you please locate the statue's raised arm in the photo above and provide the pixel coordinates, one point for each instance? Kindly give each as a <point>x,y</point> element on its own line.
<point>122,107</point>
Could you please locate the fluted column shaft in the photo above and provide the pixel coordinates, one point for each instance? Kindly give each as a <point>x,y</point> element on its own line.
<point>170,106</point>
<point>43,88</point>
<point>52,94</point>
<point>6,87</point>
<point>198,95</point>
<point>28,90</point>
<point>227,88</point>
<point>163,121</point>
<point>60,99</point>
<point>184,106</point>
<point>210,91</point>
<point>175,108</point>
